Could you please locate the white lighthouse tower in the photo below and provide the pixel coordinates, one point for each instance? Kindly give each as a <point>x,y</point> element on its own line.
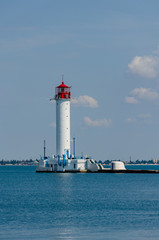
<point>62,97</point>
<point>64,160</point>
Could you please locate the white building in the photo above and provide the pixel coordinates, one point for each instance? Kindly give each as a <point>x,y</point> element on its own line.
<point>64,161</point>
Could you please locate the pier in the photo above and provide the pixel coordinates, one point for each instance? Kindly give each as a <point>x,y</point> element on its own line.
<point>128,171</point>
<point>106,171</point>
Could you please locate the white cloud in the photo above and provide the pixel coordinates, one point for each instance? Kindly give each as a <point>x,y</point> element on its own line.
<point>85,101</point>
<point>98,123</point>
<point>146,66</point>
<point>131,100</point>
<point>145,94</point>
<point>131,120</point>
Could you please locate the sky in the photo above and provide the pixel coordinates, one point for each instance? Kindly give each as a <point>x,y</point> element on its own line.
<point>107,50</point>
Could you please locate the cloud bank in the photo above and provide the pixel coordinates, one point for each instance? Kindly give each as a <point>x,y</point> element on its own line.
<point>145,94</point>
<point>142,94</point>
<point>98,123</point>
<point>131,100</point>
<point>85,101</point>
<point>146,66</point>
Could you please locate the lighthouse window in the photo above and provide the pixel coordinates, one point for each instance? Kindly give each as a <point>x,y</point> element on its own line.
<point>74,165</point>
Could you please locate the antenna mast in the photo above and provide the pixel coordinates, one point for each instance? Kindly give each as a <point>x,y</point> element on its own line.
<point>74,146</point>
<point>44,150</point>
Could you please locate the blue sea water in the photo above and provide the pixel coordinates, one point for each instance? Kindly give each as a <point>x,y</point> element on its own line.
<point>77,206</point>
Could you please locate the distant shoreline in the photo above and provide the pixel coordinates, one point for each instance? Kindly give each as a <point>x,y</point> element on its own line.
<point>127,164</point>
<point>151,164</point>
<point>1,165</point>
<point>135,164</point>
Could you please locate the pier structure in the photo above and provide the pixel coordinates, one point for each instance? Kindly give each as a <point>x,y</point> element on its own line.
<point>64,160</point>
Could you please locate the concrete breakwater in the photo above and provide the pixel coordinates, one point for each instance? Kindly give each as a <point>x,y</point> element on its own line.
<point>107,171</point>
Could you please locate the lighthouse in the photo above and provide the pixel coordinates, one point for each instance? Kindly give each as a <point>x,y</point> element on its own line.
<point>62,98</point>
<point>64,160</point>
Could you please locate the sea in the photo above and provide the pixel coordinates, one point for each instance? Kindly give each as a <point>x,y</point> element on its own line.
<point>113,206</point>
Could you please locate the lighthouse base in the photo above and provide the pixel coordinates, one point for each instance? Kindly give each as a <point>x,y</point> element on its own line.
<point>69,165</point>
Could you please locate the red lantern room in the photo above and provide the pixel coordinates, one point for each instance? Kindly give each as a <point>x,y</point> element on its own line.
<point>62,92</point>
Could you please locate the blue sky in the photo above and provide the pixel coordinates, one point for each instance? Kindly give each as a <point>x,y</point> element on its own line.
<point>108,52</point>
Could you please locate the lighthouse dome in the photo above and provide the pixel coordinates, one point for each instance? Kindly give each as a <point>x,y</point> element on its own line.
<point>62,85</point>
<point>62,92</point>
